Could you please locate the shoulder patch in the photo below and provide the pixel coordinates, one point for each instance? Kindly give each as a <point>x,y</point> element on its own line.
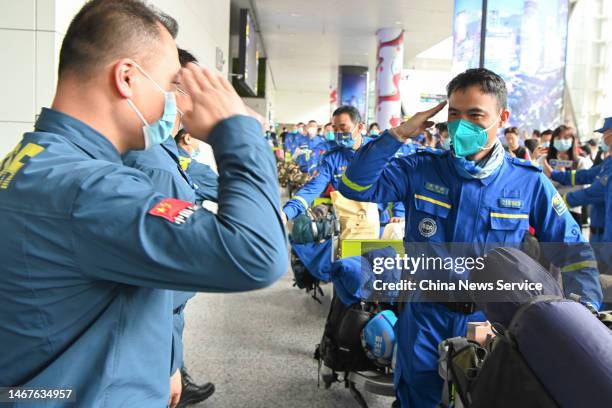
<point>526,163</point>
<point>558,204</point>
<point>173,210</point>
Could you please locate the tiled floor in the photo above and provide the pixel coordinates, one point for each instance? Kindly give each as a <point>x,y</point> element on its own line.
<point>257,349</point>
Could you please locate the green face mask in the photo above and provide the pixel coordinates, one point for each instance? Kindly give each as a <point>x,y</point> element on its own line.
<point>468,138</point>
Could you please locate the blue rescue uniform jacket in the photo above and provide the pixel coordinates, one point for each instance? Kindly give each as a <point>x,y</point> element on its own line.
<point>168,173</point>
<point>607,255</point>
<point>91,253</point>
<point>496,209</point>
<point>443,207</point>
<point>200,176</point>
<point>312,151</point>
<point>597,177</point>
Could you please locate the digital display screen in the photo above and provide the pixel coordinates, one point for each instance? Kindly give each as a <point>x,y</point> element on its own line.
<point>525,43</point>
<point>466,34</point>
<point>249,52</point>
<point>354,88</point>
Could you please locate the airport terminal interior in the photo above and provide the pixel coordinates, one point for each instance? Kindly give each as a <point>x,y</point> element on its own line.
<point>341,145</point>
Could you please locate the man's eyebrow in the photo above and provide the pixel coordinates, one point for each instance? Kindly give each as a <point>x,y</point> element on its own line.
<point>477,110</point>
<point>469,111</point>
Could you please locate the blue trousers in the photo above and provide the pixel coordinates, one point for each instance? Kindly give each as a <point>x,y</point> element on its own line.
<point>420,328</point>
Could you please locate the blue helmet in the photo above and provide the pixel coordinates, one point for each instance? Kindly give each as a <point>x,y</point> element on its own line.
<point>378,337</point>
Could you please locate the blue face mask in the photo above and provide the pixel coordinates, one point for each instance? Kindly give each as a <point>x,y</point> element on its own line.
<point>603,146</point>
<point>446,143</point>
<point>330,136</point>
<point>374,132</point>
<point>468,138</point>
<point>345,139</point>
<point>562,145</point>
<point>156,133</point>
<point>545,145</point>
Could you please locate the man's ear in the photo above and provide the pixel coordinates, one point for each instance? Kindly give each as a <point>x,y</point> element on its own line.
<point>503,119</point>
<point>123,73</point>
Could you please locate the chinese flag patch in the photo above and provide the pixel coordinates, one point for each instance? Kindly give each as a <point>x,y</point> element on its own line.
<point>176,211</point>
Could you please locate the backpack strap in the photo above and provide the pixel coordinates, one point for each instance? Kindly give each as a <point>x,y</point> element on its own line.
<point>446,350</point>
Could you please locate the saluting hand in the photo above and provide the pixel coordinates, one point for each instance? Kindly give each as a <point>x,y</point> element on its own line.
<point>417,124</point>
<point>213,99</point>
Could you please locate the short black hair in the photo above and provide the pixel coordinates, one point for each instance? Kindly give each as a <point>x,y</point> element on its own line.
<point>537,133</point>
<point>349,110</point>
<point>511,129</point>
<point>312,121</point>
<point>592,142</point>
<point>185,57</point>
<point>546,132</point>
<point>372,125</point>
<point>180,135</point>
<point>489,82</point>
<point>107,29</point>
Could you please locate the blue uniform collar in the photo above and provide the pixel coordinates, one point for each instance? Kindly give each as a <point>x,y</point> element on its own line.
<point>84,136</point>
<point>173,149</point>
<point>182,152</point>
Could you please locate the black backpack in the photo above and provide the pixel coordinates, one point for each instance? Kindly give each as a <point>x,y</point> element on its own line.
<point>302,279</point>
<point>493,377</point>
<point>497,376</point>
<point>340,349</point>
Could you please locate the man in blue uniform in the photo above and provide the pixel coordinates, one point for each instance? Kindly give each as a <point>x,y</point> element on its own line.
<point>475,195</point>
<point>167,169</point>
<point>348,125</point>
<point>201,176</point>
<point>310,150</point>
<point>294,139</point>
<point>607,252</point>
<point>89,248</point>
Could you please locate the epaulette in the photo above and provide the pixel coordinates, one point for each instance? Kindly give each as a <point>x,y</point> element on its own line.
<point>526,163</point>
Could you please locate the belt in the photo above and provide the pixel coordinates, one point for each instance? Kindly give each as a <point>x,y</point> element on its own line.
<point>460,307</point>
<point>597,230</point>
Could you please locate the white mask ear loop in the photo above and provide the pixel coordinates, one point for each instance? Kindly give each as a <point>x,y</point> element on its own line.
<point>184,93</point>
<point>137,112</point>
<point>149,77</point>
<point>489,128</point>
